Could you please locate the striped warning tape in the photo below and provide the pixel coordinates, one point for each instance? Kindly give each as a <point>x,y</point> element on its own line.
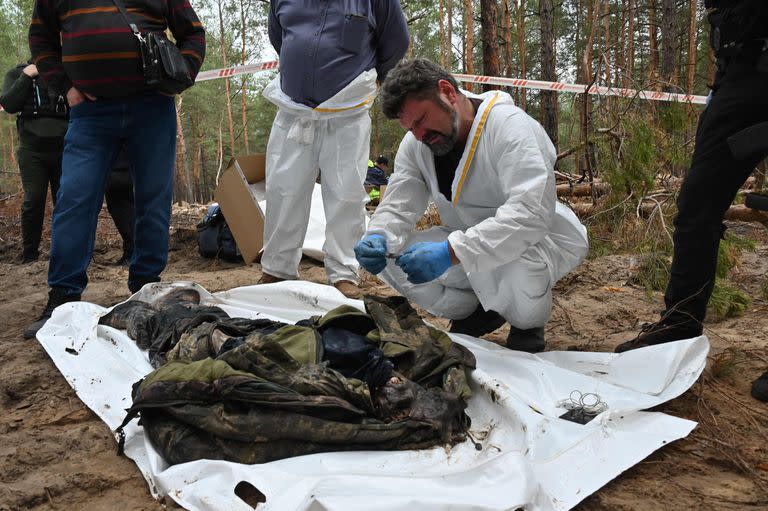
<point>573,87</point>
<point>493,80</point>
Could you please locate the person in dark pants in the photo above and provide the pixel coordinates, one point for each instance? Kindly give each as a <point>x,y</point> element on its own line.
<point>119,197</point>
<point>738,102</point>
<point>87,49</point>
<point>42,123</point>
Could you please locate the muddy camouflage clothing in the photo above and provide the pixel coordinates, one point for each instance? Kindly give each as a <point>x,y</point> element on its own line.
<point>272,394</point>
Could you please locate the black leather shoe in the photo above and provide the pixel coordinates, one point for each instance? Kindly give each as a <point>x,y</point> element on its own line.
<point>134,285</point>
<point>530,340</point>
<point>480,322</point>
<point>760,388</point>
<point>56,297</point>
<point>660,333</point>
<point>29,258</point>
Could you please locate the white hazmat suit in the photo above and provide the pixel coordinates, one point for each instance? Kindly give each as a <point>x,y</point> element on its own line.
<point>332,138</point>
<point>513,239</point>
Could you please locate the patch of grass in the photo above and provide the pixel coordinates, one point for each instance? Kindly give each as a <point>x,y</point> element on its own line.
<point>727,301</point>
<point>724,363</point>
<point>653,271</point>
<point>729,252</point>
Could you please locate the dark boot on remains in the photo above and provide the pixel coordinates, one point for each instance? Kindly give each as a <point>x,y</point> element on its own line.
<point>56,297</point>
<point>530,340</point>
<point>760,387</point>
<point>480,322</point>
<point>662,332</point>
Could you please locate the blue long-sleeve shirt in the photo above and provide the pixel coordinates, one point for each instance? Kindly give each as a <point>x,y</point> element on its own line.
<point>325,44</point>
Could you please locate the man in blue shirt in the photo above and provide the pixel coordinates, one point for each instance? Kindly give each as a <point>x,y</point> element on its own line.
<point>331,56</point>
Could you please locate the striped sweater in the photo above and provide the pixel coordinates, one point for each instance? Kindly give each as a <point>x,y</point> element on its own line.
<point>87,43</point>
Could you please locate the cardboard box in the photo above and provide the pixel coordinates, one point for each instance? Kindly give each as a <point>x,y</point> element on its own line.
<point>239,193</point>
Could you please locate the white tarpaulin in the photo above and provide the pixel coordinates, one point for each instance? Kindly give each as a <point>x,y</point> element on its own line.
<point>526,457</point>
<point>315,237</point>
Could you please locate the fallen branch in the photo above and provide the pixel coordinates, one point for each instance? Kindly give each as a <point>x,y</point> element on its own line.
<point>739,212</point>
<point>583,190</point>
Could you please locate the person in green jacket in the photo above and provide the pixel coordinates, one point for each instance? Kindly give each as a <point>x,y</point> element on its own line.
<point>42,117</point>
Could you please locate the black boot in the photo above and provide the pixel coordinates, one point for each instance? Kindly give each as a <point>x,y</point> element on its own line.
<point>666,330</point>
<point>135,284</point>
<point>480,322</point>
<point>125,260</point>
<point>760,387</point>
<point>530,340</point>
<point>56,297</point>
<point>29,256</point>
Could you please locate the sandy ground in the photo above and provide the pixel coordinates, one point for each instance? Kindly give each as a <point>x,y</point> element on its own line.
<point>56,454</point>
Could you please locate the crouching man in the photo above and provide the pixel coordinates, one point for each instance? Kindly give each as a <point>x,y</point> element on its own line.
<point>504,240</point>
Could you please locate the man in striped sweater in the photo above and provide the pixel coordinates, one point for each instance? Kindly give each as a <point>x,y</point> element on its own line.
<point>85,50</point>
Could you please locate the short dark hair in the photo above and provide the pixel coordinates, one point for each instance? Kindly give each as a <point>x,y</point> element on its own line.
<point>414,78</point>
<point>382,159</point>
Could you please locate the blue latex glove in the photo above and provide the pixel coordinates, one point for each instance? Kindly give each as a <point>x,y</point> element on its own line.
<point>425,261</point>
<point>371,253</point>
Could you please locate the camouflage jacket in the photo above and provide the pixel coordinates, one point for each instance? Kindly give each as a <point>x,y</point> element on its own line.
<point>272,396</point>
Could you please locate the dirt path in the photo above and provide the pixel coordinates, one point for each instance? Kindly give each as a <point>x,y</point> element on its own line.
<point>56,454</point>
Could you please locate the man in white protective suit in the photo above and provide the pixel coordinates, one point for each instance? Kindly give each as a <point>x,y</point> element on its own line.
<point>331,56</point>
<point>504,239</point>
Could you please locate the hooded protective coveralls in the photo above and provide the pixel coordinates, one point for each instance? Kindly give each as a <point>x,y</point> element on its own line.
<point>513,239</point>
<point>333,136</point>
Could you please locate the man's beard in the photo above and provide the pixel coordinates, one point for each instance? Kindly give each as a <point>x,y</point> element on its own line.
<point>444,143</point>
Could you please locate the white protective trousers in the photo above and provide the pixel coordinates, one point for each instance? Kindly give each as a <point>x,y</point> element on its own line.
<point>331,140</point>
<point>514,240</point>
<point>520,291</point>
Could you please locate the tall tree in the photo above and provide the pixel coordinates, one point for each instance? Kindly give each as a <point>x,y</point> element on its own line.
<point>692,33</point>
<point>507,31</point>
<point>669,46</point>
<point>228,96</point>
<point>630,43</point>
<point>653,45</point>
<point>548,71</point>
<point>469,40</point>
<point>521,48</point>
<point>488,18</point>
<point>245,6</point>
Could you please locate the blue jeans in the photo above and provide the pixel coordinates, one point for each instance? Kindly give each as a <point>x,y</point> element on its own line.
<point>97,129</point>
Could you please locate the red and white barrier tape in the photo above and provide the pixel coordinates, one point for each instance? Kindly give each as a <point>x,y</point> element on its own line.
<point>494,80</point>
<point>573,87</point>
<point>236,71</point>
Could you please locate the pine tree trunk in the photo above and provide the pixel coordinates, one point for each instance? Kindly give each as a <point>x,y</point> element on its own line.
<point>607,35</point>
<point>449,35</point>
<point>227,94</point>
<point>488,17</point>
<point>507,28</point>
<point>548,71</point>
<point>243,94</point>
<point>653,46</point>
<point>520,18</point>
<point>692,32</point>
<point>630,43</point>
<point>621,47</point>
<point>669,47</point>
<point>469,41</point>
<point>182,169</point>
<point>443,53</point>
<point>593,9</point>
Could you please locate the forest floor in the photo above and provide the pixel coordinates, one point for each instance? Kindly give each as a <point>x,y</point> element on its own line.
<point>56,454</point>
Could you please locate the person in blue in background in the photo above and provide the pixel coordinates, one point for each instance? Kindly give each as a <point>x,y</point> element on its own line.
<point>377,175</point>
